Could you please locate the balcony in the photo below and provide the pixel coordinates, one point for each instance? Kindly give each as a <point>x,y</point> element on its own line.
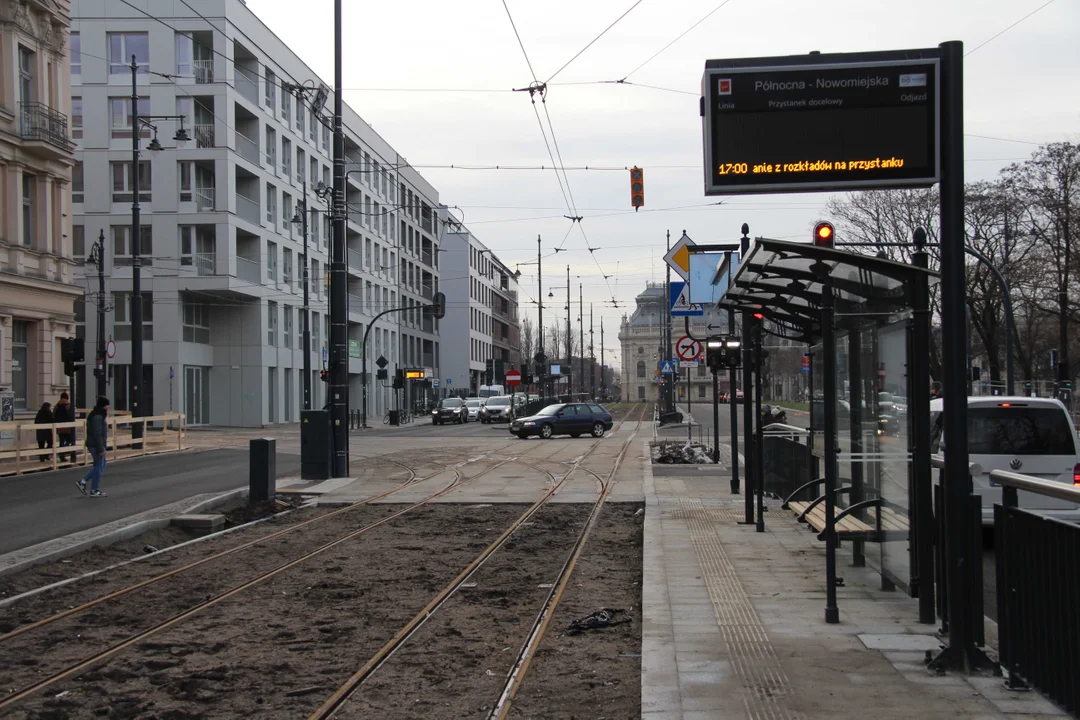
<point>205,263</point>
<point>204,199</point>
<point>247,86</point>
<point>247,209</point>
<point>39,123</point>
<point>204,71</point>
<point>204,136</point>
<point>356,260</point>
<point>248,270</point>
<point>247,148</point>
<point>356,304</point>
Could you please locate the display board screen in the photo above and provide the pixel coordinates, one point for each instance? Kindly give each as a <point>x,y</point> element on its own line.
<point>821,127</point>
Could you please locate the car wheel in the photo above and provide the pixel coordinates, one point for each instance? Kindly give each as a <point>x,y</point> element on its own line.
<point>546,431</point>
<point>598,430</point>
<point>523,436</point>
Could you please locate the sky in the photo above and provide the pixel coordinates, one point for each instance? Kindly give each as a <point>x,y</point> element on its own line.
<point>436,80</point>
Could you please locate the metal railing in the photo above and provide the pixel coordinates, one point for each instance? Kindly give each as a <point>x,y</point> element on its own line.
<point>1038,591</point>
<point>205,263</point>
<point>204,71</point>
<point>204,136</point>
<point>246,147</point>
<point>40,122</point>
<point>247,209</point>
<point>204,199</point>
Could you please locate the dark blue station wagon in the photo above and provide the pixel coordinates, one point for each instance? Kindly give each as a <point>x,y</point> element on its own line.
<point>573,419</point>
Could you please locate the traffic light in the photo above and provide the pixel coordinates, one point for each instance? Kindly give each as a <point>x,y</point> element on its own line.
<point>437,308</point>
<point>824,234</point>
<point>324,376</point>
<point>67,354</point>
<point>489,371</point>
<point>399,379</point>
<point>637,187</point>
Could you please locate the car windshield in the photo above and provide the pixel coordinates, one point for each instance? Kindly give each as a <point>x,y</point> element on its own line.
<point>1019,431</point>
<point>450,403</point>
<point>498,402</point>
<point>551,410</point>
<point>474,403</point>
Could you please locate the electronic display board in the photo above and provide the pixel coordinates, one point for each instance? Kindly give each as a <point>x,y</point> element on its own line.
<point>820,125</point>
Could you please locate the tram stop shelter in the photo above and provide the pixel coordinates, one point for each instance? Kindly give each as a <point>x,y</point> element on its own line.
<point>866,321</point>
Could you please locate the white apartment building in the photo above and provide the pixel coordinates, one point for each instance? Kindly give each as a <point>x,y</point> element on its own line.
<point>222,265</point>
<point>481,320</point>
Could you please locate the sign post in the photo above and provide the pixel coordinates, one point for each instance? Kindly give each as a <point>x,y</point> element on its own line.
<point>513,379</point>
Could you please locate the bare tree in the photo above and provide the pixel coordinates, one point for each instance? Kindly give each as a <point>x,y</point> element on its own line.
<point>553,340</point>
<point>527,341</point>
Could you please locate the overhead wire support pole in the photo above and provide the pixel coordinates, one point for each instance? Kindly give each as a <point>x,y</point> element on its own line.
<point>100,368</point>
<point>748,415</point>
<point>581,341</point>
<point>339,368</point>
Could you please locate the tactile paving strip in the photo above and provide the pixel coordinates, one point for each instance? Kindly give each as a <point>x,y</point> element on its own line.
<point>752,656</point>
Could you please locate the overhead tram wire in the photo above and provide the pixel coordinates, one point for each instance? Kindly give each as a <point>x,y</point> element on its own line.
<point>678,38</point>
<point>582,50</point>
<point>1010,27</point>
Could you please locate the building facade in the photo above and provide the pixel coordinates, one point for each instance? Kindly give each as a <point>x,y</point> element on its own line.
<point>481,320</point>
<point>641,339</point>
<point>222,242</point>
<point>38,292</point>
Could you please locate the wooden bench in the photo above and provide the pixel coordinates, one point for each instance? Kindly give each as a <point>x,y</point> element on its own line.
<point>888,521</point>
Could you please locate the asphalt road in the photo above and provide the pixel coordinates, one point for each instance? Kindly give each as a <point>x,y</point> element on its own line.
<point>44,506</point>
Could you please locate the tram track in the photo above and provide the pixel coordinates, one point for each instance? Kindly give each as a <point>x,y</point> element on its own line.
<point>340,697</point>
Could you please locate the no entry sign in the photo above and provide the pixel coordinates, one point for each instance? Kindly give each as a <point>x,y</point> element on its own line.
<point>513,378</point>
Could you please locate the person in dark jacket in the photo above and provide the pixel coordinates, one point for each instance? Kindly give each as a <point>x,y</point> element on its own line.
<point>44,437</point>
<point>64,413</point>
<point>97,438</point>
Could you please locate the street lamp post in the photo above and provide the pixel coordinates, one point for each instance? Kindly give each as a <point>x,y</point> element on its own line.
<point>302,220</point>
<point>135,379</point>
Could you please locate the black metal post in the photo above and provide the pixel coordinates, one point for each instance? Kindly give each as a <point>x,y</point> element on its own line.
<point>307,311</point>
<point>732,380</point>
<point>601,356</point>
<point>922,581</point>
<point>569,355</point>
<point>716,423</point>
<point>962,653</point>
<point>592,357</point>
<point>667,394</point>
<point>1010,322</point>
<point>540,316</point>
<point>689,414</point>
<point>855,403</point>
<point>101,367</point>
<point>828,337</point>
<point>759,436</point>
<point>748,413</point>
<point>339,301</point>
<point>581,340</point>
<point>135,379</point>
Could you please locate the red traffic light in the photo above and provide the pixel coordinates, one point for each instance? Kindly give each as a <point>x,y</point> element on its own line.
<point>824,234</point>
<point>324,376</point>
<point>637,187</point>
<point>759,316</point>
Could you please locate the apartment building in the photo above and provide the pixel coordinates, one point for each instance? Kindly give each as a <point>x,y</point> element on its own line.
<point>222,245</point>
<point>481,320</point>
<point>37,278</point>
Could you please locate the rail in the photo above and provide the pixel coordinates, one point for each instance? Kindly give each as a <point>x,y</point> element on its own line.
<point>1038,591</point>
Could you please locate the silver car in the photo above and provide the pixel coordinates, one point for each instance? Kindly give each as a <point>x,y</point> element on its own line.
<point>473,405</point>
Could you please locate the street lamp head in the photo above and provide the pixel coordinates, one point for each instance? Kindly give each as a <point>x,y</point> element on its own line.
<point>181,137</point>
<point>297,218</point>
<point>154,144</point>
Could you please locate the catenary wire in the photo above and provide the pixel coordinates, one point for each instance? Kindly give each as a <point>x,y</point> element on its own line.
<point>1007,29</point>
<point>579,52</point>
<point>677,39</point>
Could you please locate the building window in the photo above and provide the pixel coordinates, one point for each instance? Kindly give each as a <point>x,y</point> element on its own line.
<point>29,190</point>
<point>300,165</point>
<point>325,138</point>
<point>286,157</point>
<point>286,104</point>
<point>122,248</point>
<point>270,88</point>
<point>77,183</point>
<point>271,262</point>
<point>641,392</point>
<point>312,122</point>
<point>78,244</point>
<point>196,323</point>
<point>122,316</point>
<point>75,53</point>
<point>26,75</point>
<point>287,326</point>
<point>185,53</point>
<point>271,148</point>
<point>271,204</point>
<point>701,371</point>
<point>122,46</point>
<point>301,111</point>
<point>121,122</point>
<point>271,323</point>
<point>286,266</point>
<point>76,118</point>
<point>187,180</point>
<point>124,181</point>
<point>286,210</point>
<point>641,368</point>
<point>701,391</point>
<point>197,248</point>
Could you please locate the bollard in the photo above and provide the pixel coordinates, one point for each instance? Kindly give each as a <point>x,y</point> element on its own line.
<point>262,468</point>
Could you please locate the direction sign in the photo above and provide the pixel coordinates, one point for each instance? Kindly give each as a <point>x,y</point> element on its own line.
<point>687,348</point>
<point>678,257</point>
<point>513,378</point>
<point>680,301</point>
<point>667,368</point>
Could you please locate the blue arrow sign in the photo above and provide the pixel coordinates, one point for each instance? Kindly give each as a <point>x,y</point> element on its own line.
<point>680,301</point>
<point>667,368</point>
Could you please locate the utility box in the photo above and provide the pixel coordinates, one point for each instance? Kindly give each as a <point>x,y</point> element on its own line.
<point>315,443</point>
<point>262,469</point>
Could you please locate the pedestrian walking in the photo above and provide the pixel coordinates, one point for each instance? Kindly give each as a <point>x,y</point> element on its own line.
<point>97,436</point>
<point>65,413</point>
<point>44,437</point>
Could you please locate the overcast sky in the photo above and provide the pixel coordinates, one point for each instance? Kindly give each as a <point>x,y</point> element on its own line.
<point>1020,87</point>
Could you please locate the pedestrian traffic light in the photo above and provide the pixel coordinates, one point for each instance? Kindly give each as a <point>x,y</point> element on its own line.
<point>637,187</point>
<point>824,234</point>
<point>324,376</point>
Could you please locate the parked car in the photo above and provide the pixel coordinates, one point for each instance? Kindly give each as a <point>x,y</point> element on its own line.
<point>1031,436</point>
<point>573,419</point>
<point>474,406</point>
<point>496,409</point>
<point>450,410</point>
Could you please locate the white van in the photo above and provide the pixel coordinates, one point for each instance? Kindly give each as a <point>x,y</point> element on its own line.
<point>1031,436</point>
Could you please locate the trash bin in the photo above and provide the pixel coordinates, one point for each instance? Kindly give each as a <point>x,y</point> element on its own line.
<point>315,443</point>
<point>395,419</point>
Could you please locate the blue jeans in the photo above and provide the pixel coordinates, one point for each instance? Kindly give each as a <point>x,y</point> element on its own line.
<point>96,471</point>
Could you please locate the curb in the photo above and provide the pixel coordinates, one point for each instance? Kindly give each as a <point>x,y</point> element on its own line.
<point>110,533</point>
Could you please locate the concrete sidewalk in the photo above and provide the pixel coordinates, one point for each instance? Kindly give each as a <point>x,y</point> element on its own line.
<point>734,624</point>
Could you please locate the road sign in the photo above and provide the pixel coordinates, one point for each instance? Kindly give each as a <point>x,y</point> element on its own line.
<point>806,363</point>
<point>667,368</point>
<point>688,363</point>
<point>678,257</point>
<point>381,362</point>
<point>354,348</point>
<point>822,122</point>
<point>434,383</point>
<point>110,349</point>
<point>513,378</point>
<point>687,348</point>
<point>680,301</point>
<point>449,382</point>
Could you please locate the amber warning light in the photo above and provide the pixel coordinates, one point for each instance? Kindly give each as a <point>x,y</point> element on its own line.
<point>823,234</point>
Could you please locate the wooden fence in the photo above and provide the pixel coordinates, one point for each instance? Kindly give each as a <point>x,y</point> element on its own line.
<point>20,454</point>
